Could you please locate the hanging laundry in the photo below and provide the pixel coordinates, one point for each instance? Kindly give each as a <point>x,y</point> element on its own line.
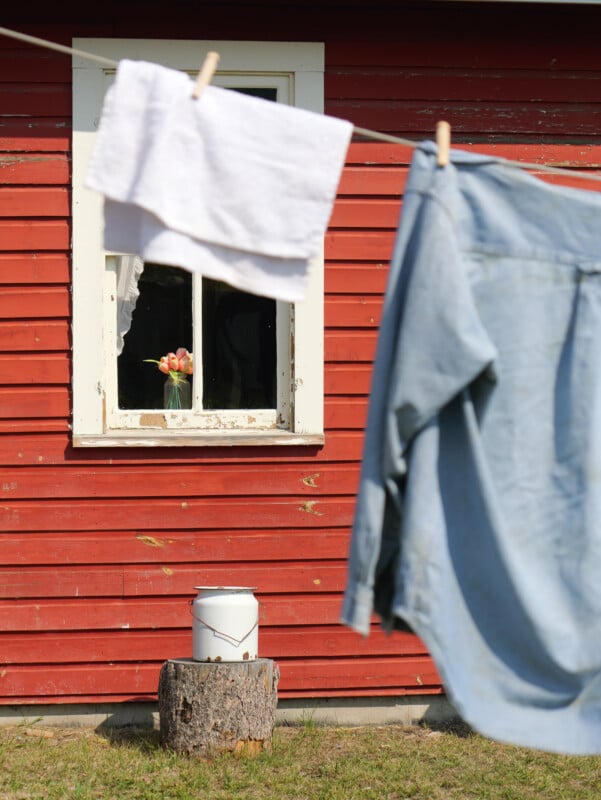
<point>478,520</point>
<point>235,187</point>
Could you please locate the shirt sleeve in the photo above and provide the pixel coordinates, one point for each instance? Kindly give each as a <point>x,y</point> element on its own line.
<point>431,345</point>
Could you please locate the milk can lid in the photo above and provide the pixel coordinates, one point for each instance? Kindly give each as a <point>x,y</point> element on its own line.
<point>227,588</point>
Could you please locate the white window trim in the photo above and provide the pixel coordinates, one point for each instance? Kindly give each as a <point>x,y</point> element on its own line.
<point>298,66</point>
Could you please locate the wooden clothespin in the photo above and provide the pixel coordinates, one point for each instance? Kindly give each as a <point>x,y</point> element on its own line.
<point>443,142</point>
<point>206,73</point>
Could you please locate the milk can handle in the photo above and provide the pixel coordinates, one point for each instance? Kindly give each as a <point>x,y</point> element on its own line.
<point>222,633</point>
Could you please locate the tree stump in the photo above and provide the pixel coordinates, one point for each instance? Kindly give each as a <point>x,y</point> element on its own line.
<point>205,708</point>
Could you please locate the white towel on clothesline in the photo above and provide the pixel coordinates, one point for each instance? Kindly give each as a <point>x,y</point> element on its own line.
<point>235,187</point>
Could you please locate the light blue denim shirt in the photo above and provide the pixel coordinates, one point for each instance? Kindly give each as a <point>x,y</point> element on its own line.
<point>478,519</point>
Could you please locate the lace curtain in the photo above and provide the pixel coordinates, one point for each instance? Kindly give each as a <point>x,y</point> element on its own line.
<point>129,269</point>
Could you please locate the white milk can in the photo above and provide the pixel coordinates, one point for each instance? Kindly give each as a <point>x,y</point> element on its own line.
<point>225,624</point>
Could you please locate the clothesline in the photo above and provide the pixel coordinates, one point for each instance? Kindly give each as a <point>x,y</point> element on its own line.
<point>364,132</point>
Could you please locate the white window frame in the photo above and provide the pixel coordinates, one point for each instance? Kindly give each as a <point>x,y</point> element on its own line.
<point>297,69</point>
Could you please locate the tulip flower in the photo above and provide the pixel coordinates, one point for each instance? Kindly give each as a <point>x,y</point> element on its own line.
<point>185,364</point>
<point>175,364</point>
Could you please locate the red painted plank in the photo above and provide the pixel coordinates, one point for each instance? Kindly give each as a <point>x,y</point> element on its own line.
<point>36,99</point>
<point>142,678</point>
<point>29,135</point>
<point>97,679</point>
<point>21,336</point>
<point>585,155</point>
<point>363,214</point>
<point>56,448</point>
<point>60,615</point>
<point>179,482</point>
<point>348,673</point>
<point>150,613</point>
<point>335,640</point>
<point>379,180</point>
<point>164,514</point>
<point>449,43</point>
<point>358,245</point>
<point>367,278</point>
<point>36,168</point>
<point>25,268</point>
<point>23,403</point>
<point>311,641</point>
<point>41,302</point>
<point>67,699</point>
<point>77,648</point>
<point>579,182</point>
<point>17,202</point>
<point>344,345</point>
<point>460,85</point>
<point>26,369</point>
<point>507,119</point>
<point>352,379</point>
<point>373,180</point>
<point>173,547</point>
<point>290,694</point>
<point>19,65</point>
<point>24,426</point>
<point>376,154</point>
<point>29,234</point>
<point>168,579</point>
<point>353,312</point>
<point>346,413</point>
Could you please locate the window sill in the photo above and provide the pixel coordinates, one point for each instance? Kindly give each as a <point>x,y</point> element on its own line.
<point>196,439</point>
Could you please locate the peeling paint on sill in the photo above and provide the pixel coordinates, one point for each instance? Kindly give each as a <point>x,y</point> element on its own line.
<point>153,421</point>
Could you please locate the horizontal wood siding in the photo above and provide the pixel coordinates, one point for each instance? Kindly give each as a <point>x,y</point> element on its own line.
<point>100,550</point>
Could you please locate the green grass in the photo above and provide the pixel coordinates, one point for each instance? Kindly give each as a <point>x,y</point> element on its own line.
<point>308,762</point>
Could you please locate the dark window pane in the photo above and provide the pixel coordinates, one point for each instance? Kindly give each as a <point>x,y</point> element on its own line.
<point>266,93</point>
<point>239,348</point>
<point>161,322</point>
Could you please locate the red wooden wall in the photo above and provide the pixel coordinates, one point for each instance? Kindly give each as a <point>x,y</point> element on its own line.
<point>100,549</point>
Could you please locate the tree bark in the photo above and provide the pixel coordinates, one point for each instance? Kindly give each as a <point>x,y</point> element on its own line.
<point>206,708</point>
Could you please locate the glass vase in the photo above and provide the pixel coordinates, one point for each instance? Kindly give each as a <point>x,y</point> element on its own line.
<point>177,392</point>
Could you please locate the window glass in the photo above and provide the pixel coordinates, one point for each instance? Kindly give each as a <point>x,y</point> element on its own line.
<point>161,322</point>
<point>266,92</point>
<point>238,348</point>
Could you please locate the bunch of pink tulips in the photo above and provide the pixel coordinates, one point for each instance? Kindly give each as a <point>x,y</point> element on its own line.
<point>175,363</point>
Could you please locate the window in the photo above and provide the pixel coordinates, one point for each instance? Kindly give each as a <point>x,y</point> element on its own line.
<point>258,376</point>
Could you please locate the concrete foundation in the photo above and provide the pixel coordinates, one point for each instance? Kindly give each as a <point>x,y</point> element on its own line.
<point>326,711</point>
